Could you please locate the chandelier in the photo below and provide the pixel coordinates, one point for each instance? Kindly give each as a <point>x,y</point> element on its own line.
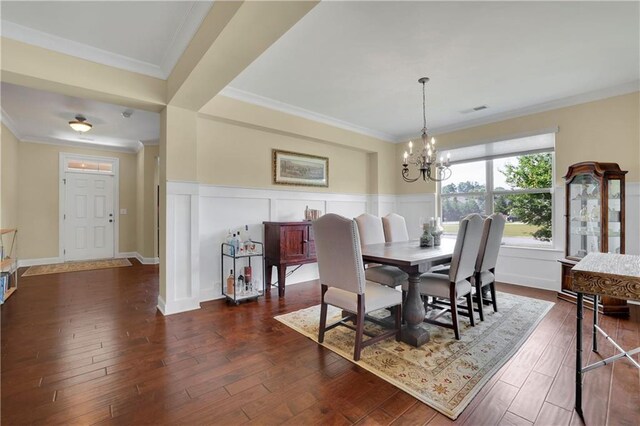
<point>427,156</point>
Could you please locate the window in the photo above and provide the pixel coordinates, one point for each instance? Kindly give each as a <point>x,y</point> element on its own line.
<point>88,165</point>
<point>517,185</point>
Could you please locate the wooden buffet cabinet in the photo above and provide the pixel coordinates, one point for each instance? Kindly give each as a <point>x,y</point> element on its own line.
<point>287,244</point>
<point>595,222</point>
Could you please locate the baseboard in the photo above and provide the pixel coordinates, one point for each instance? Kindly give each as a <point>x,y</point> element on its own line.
<point>126,254</point>
<point>147,260</point>
<point>209,294</point>
<point>528,281</point>
<point>39,261</point>
<point>177,307</point>
<point>161,305</point>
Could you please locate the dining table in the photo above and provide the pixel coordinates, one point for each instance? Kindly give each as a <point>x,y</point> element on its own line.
<point>414,260</point>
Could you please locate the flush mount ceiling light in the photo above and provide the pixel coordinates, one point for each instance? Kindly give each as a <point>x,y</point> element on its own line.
<point>80,124</point>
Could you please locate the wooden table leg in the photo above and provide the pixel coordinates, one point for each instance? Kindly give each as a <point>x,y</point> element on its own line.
<point>579,311</point>
<point>267,277</point>
<point>282,273</point>
<point>414,312</point>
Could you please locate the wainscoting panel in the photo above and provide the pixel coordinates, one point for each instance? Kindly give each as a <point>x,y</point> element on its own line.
<point>347,208</point>
<point>414,208</point>
<point>199,217</point>
<point>182,249</point>
<point>224,208</point>
<point>218,215</point>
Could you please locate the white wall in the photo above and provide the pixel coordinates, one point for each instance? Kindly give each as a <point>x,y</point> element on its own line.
<point>223,208</point>
<point>202,215</point>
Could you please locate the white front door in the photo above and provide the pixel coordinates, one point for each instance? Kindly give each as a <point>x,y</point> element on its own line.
<point>89,216</point>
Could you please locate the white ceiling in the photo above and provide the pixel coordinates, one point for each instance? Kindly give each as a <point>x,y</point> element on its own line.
<point>38,116</point>
<point>353,64</point>
<point>147,37</point>
<point>356,64</point>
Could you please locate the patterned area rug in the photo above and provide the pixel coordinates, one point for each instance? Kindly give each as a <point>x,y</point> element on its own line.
<point>444,373</point>
<point>86,265</point>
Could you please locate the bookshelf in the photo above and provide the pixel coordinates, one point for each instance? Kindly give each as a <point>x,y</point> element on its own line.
<point>8,261</point>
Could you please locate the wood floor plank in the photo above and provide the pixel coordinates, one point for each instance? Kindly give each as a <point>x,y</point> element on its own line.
<point>91,348</point>
<point>493,406</point>
<point>552,415</point>
<point>531,396</point>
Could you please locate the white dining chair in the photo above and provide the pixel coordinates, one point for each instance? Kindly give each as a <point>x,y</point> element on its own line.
<point>395,228</point>
<point>485,269</point>
<point>343,282</point>
<point>457,283</point>
<point>372,232</point>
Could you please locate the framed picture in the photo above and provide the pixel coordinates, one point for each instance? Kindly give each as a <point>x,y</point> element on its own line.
<point>292,168</point>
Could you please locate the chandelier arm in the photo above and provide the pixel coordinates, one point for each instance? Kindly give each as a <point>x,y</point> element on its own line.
<point>405,176</point>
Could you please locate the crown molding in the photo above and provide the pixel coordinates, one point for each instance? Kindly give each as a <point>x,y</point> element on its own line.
<point>80,144</point>
<point>596,95</point>
<point>10,124</point>
<point>79,50</point>
<point>251,98</point>
<point>184,33</point>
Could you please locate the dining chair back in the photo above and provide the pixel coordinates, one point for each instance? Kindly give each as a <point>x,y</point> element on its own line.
<point>485,268</point>
<point>395,228</point>
<point>458,283</point>
<point>343,283</point>
<point>372,232</point>
<point>338,252</point>
<point>370,228</point>
<point>466,249</point>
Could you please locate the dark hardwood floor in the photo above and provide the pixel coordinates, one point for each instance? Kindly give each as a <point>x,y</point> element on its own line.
<point>90,347</point>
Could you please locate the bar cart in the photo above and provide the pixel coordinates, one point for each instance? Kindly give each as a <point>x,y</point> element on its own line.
<point>242,290</point>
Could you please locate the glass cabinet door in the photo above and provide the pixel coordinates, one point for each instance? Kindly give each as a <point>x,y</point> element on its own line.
<point>584,216</point>
<point>614,213</point>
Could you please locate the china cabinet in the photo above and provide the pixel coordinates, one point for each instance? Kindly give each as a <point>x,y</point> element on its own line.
<point>594,213</point>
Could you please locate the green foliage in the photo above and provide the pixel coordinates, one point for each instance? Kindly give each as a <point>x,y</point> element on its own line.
<point>532,172</point>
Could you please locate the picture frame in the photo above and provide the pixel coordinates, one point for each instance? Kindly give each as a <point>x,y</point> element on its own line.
<point>294,168</point>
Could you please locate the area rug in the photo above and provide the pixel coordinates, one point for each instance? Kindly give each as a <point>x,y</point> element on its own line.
<point>444,373</point>
<point>85,265</point>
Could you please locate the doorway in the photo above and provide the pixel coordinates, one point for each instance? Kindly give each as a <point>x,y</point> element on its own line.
<point>88,195</point>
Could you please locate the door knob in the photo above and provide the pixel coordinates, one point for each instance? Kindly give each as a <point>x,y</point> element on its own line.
<point>110,220</point>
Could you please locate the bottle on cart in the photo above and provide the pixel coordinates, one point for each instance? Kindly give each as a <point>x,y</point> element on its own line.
<point>246,242</point>
<point>241,289</point>
<point>231,281</point>
<point>229,240</point>
<point>247,279</point>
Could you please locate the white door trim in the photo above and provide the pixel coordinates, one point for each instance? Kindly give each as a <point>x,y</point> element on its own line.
<point>63,158</point>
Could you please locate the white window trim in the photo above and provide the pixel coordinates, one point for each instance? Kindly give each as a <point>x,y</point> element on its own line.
<point>489,194</point>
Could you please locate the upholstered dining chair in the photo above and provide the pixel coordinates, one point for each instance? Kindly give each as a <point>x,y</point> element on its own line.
<point>395,228</point>
<point>343,281</point>
<point>457,283</point>
<point>485,268</point>
<point>372,232</point>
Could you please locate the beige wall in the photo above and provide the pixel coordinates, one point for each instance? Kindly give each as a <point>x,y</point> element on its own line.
<point>145,201</point>
<point>234,155</point>
<point>234,134</point>
<point>9,179</point>
<point>606,130</point>
<point>38,174</point>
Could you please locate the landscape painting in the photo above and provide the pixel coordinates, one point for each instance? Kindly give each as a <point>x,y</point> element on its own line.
<point>291,168</point>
